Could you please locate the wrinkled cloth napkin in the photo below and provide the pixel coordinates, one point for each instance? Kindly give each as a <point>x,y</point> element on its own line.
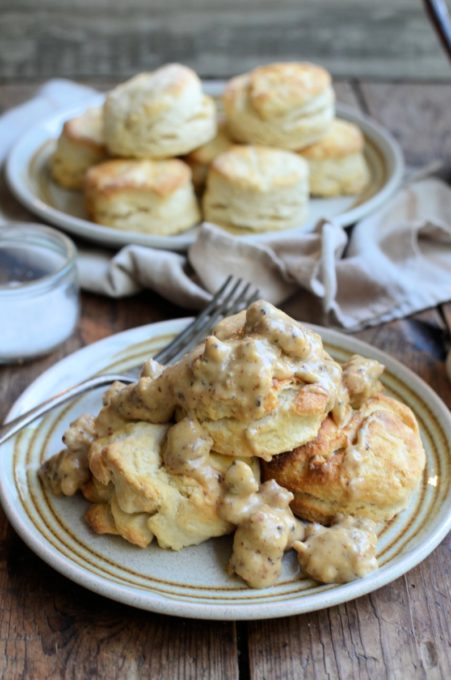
<point>397,261</point>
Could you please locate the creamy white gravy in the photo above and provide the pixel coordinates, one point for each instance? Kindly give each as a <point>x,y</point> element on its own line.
<point>236,375</point>
<point>187,452</point>
<point>340,553</point>
<point>266,527</point>
<point>66,472</point>
<point>361,379</point>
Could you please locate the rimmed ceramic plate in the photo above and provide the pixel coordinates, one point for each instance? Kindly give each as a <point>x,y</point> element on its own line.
<point>194,583</point>
<point>28,175</point>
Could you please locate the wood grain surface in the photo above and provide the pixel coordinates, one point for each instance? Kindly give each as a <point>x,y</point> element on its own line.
<point>92,38</point>
<point>52,628</point>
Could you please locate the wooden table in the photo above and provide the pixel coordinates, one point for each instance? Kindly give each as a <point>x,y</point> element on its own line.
<point>52,628</point>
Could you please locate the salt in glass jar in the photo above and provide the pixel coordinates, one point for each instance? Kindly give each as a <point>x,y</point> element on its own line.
<point>39,302</point>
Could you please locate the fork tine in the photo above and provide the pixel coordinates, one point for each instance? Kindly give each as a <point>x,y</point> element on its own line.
<point>199,333</point>
<point>225,308</point>
<point>235,300</point>
<point>200,327</point>
<point>166,352</point>
<point>253,298</point>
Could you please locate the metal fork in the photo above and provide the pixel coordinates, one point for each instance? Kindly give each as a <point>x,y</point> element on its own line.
<point>233,296</point>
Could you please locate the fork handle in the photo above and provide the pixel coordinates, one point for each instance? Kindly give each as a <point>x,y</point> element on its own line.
<point>13,426</point>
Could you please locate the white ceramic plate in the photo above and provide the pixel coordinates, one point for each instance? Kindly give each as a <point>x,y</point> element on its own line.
<point>29,179</point>
<point>194,582</point>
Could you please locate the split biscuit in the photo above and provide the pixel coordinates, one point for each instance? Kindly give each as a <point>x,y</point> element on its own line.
<point>260,385</point>
<point>147,498</point>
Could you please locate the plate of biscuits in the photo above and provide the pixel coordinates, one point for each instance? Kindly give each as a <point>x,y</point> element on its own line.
<point>275,469</point>
<point>268,152</point>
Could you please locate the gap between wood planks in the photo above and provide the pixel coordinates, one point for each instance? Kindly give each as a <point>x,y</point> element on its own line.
<point>242,645</point>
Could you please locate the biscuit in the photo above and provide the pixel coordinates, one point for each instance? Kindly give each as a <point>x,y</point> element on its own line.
<point>286,105</point>
<point>337,163</point>
<point>153,197</point>
<point>99,518</point>
<point>261,388</point>
<point>256,189</point>
<point>159,114</point>
<point>200,159</point>
<point>297,416</point>
<point>79,146</point>
<point>368,468</point>
<point>147,499</point>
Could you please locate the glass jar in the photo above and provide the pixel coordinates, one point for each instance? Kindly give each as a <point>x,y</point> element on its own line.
<point>39,301</point>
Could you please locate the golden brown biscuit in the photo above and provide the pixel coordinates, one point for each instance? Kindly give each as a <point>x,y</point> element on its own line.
<point>256,189</point>
<point>200,159</point>
<point>153,197</point>
<point>79,146</point>
<point>268,382</point>
<point>100,520</point>
<point>368,468</point>
<point>148,497</point>
<point>286,105</point>
<point>337,164</point>
<point>159,114</point>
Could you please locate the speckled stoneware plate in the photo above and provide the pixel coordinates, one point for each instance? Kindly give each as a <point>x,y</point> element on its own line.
<point>28,175</point>
<point>194,582</point>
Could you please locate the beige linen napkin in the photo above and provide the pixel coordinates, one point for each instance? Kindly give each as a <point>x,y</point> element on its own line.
<point>398,261</point>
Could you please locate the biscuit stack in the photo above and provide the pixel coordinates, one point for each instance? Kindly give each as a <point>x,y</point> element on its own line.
<point>145,124</point>
<point>156,143</point>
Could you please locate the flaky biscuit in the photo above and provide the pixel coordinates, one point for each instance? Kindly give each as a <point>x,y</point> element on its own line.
<point>159,114</point>
<point>79,146</point>
<point>153,197</point>
<point>146,498</point>
<point>256,189</point>
<point>368,468</point>
<point>286,105</point>
<point>297,416</point>
<point>262,387</point>
<point>337,163</point>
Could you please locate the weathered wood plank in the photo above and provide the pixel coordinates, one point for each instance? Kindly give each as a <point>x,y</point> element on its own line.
<point>418,115</point>
<point>388,634</point>
<point>91,39</point>
<point>52,628</point>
